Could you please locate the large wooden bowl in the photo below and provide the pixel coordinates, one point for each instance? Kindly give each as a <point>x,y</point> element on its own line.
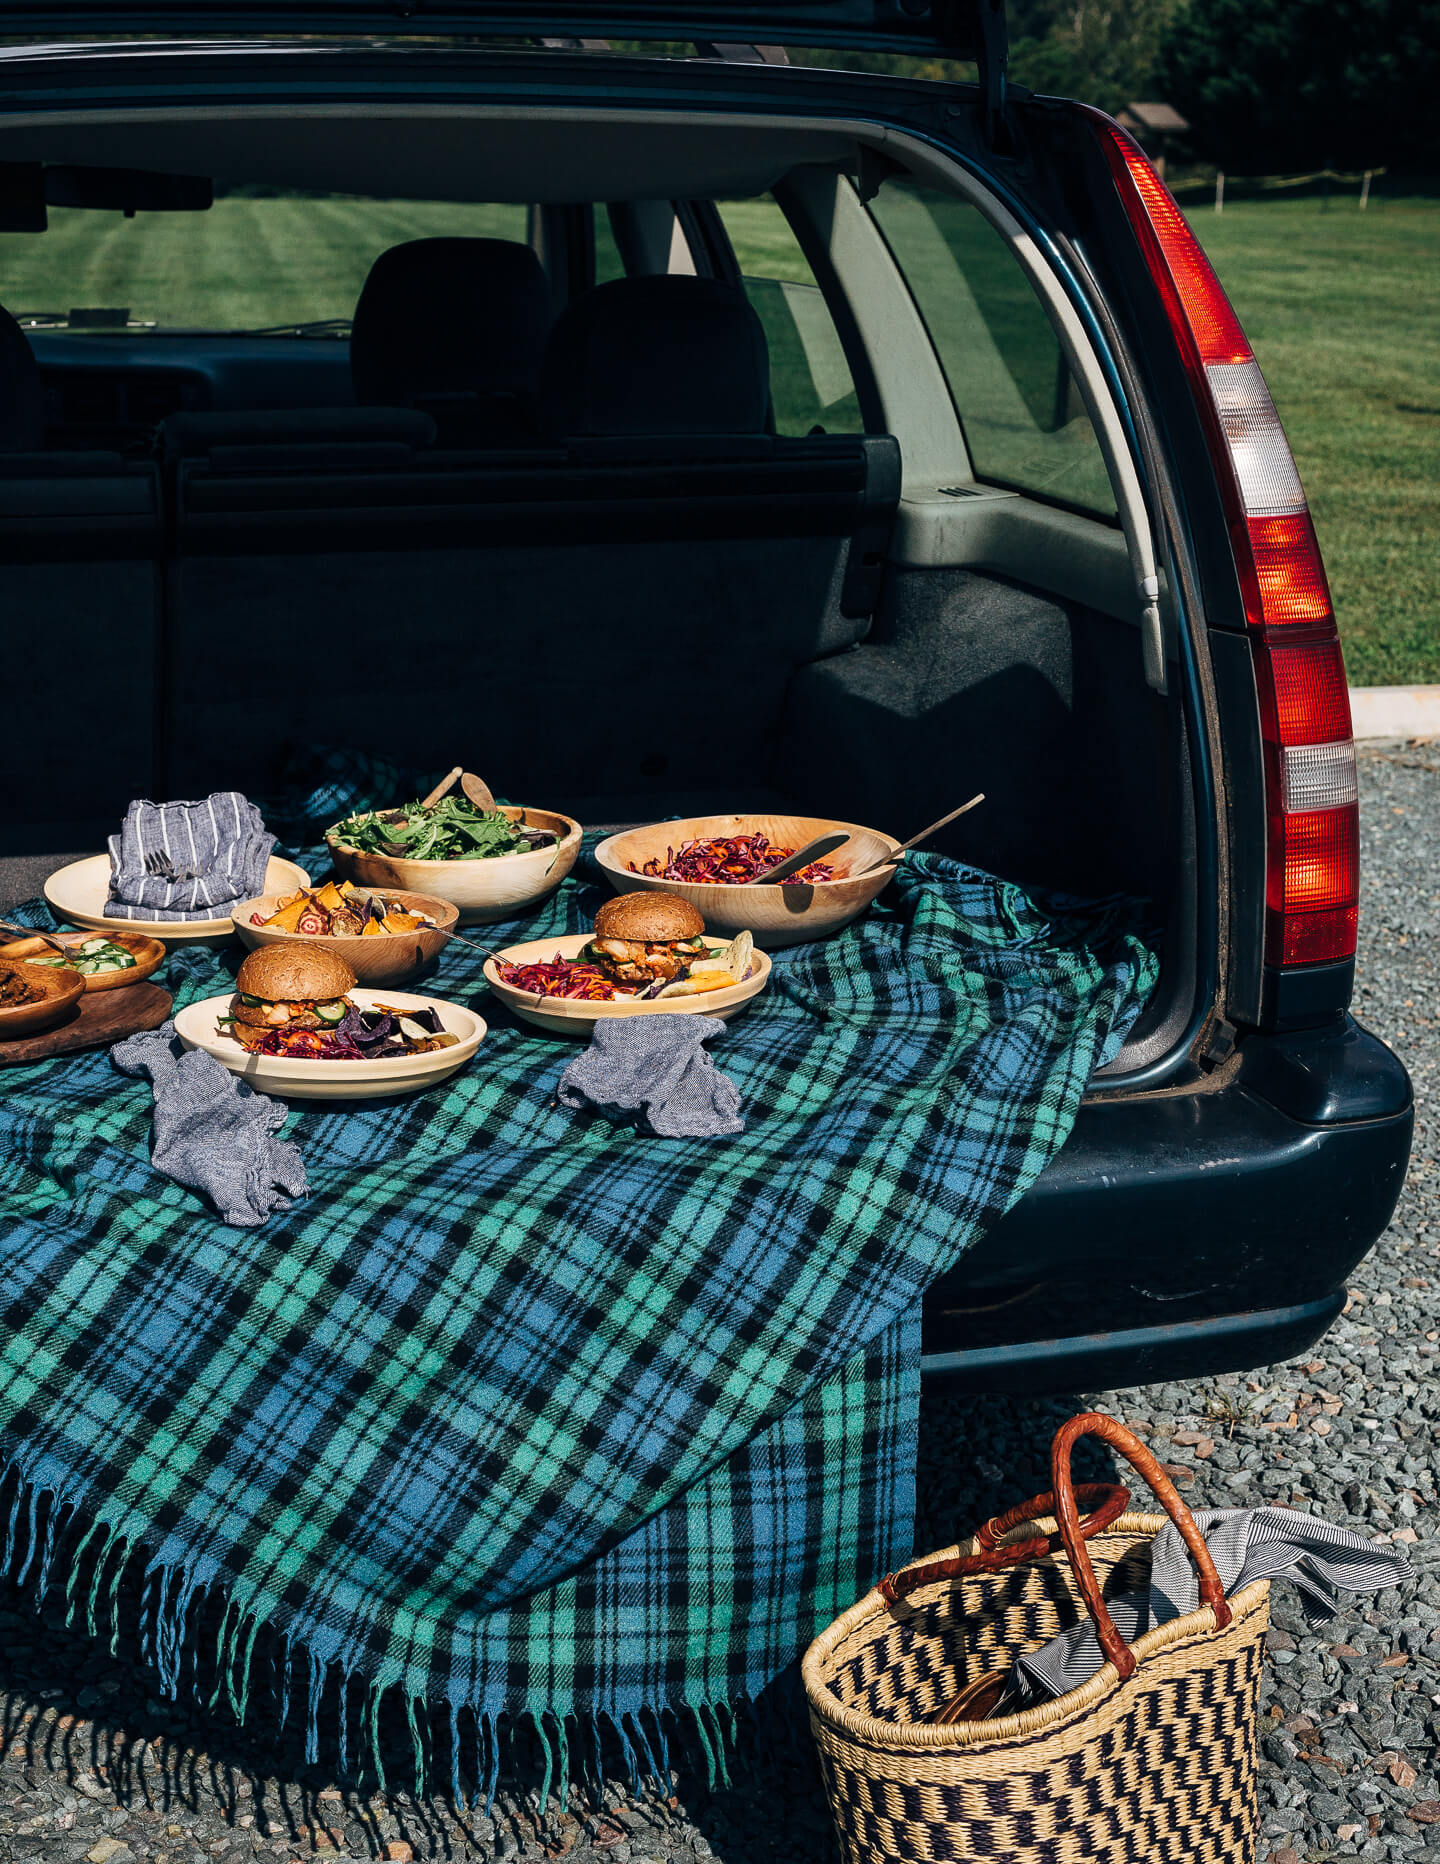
<point>60,992</point>
<point>387,958</point>
<point>484,891</point>
<point>780,915</point>
<point>573,1016</point>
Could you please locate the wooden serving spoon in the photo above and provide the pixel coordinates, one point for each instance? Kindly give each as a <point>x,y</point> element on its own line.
<point>802,857</point>
<point>442,788</point>
<point>479,792</point>
<point>924,835</point>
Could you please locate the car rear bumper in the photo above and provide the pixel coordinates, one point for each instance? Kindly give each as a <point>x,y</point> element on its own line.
<point>1187,1233</point>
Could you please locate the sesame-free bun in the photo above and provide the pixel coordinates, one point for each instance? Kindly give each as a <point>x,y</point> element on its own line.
<point>649,918</point>
<point>289,973</point>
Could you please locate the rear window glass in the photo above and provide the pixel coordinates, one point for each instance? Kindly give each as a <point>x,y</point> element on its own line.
<point>246,263</point>
<point>810,382</point>
<point>1025,423</point>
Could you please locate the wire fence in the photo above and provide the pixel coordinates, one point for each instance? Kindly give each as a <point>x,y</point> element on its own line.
<point>1191,190</point>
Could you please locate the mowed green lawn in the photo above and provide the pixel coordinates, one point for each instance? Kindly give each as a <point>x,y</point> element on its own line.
<point>1343,309</point>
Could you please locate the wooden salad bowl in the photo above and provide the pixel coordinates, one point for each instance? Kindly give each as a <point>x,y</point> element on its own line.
<point>484,891</point>
<point>788,914</point>
<point>61,992</point>
<point>386,958</point>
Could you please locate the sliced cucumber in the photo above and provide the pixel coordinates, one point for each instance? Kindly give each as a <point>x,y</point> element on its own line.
<point>331,1013</point>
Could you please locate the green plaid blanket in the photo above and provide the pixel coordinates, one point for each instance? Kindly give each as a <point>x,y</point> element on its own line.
<point>521,1413</point>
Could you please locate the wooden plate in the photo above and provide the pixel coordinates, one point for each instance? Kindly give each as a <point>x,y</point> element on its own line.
<point>784,915</point>
<point>484,891</point>
<point>79,892</point>
<point>569,1016</point>
<point>148,953</point>
<point>60,992</point>
<point>387,959</point>
<point>293,1079</point>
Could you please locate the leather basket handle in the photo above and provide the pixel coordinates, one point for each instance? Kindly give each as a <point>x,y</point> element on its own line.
<point>1103,1503</point>
<point>1069,1501</point>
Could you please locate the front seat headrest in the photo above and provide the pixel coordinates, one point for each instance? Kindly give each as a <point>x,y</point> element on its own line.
<point>448,320</point>
<point>671,354</point>
<point>22,399</point>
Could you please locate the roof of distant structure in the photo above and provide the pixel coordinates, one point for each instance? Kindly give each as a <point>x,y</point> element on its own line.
<point>1158,117</point>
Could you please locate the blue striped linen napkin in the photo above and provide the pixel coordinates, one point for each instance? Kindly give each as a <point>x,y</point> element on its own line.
<point>187,861</point>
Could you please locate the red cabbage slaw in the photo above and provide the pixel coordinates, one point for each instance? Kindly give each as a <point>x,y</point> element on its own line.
<point>729,860</point>
<point>365,1035</point>
<point>561,977</point>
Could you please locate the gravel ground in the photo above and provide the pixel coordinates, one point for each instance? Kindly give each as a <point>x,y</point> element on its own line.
<point>94,1768</point>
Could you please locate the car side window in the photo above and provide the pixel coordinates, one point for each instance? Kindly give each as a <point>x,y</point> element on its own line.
<point>810,382</point>
<point>608,263</point>
<point>1025,423</point>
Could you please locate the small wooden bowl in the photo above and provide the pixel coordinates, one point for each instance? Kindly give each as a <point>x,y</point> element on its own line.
<point>787,914</point>
<point>388,958</point>
<point>148,953</point>
<point>62,990</point>
<point>484,891</point>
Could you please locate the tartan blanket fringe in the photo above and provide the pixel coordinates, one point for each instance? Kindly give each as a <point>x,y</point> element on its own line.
<point>49,1548</point>
<point>521,1418</point>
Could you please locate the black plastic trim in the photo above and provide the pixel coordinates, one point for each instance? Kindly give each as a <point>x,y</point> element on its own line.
<point>1138,1355</point>
<point>1303,995</point>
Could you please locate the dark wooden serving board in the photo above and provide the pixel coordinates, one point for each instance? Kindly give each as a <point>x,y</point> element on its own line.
<point>101,1017</point>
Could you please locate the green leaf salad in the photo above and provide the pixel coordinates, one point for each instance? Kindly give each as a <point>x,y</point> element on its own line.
<point>451,830</point>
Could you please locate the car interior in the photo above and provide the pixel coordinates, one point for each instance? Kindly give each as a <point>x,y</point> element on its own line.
<point>579,500</point>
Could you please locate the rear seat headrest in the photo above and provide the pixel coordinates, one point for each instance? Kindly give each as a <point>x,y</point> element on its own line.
<point>672,354</point>
<point>445,317</point>
<point>22,399</point>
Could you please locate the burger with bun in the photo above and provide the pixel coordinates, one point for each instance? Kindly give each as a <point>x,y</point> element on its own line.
<point>288,990</point>
<point>655,943</point>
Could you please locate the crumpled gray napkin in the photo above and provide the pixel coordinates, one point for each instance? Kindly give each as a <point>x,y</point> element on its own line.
<point>212,1131</point>
<point>1246,1544</point>
<point>187,860</point>
<point>657,1067</point>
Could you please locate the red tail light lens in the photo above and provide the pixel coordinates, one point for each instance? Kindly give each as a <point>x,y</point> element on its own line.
<point>1288,571</point>
<point>1312,859</point>
<point>1311,901</point>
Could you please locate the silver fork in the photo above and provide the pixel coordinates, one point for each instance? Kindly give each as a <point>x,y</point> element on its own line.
<point>159,865</point>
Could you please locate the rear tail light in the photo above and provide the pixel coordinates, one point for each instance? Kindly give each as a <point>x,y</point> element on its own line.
<point>1312,878</point>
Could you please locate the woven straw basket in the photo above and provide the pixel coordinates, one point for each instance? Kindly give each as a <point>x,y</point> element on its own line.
<point>1154,1758</point>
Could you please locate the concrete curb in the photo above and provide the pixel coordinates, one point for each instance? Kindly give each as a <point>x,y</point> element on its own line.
<point>1395,711</point>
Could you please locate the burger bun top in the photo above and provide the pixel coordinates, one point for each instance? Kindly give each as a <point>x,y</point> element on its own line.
<point>649,918</point>
<point>292,973</point>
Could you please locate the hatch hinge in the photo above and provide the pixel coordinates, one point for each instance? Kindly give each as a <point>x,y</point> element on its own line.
<point>955,30</point>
